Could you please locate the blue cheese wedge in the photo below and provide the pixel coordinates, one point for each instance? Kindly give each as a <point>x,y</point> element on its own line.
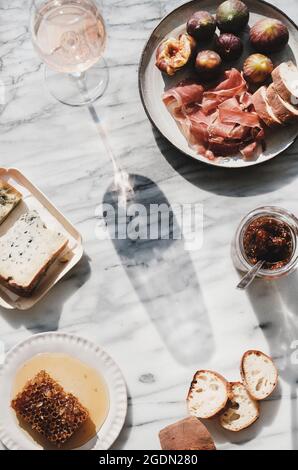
<point>9,199</point>
<point>27,250</point>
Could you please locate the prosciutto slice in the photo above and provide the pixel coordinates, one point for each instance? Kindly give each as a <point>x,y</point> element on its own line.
<point>236,116</point>
<point>184,97</point>
<point>234,85</point>
<point>218,122</point>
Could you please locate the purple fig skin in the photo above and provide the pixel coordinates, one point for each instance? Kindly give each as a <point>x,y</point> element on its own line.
<point>201,26</point>
<point>232,16</point>
<point>208,65</point>
<point>257,68</point>
<point>229,46</point>
<point>269,35</point>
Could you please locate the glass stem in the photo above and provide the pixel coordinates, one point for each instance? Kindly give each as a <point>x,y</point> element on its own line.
<point>121,178</point>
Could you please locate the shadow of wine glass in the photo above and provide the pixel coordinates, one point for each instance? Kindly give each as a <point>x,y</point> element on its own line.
<point>276,307</point>
<point>163,276</point>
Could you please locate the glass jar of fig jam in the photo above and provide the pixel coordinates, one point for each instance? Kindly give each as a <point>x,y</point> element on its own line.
<point>268,234</point>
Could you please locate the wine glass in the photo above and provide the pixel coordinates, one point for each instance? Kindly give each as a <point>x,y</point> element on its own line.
<point>70,38</point>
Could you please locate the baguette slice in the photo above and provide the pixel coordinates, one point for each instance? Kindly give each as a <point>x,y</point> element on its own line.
<point>187,434</point>
<point>283,110</point>
<point>208,394</point>
<point>9,199</point>
<point>241,412</point>
<point>285,79</point>
<point>263,109</point>
<point>259,374</point>
<point>26,252</point>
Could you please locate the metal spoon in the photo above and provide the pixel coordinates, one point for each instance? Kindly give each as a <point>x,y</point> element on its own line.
<point>250,276</point>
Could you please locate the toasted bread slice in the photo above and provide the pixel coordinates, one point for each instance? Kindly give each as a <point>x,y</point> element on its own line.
<point>259,374</point>
<point>283,110</point>
<point>241,411</point>
<point>187,434</point>
<point>263,109</point>
<point>9,199</point>
<point>208,394</point>
<point>285,80</point>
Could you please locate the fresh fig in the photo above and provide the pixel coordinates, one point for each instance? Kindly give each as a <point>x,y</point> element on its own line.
<point>269,35</point>
<point>173,54</point>
<point>257,68</point>
<point>232,16</point>
<point>201,25</point>
<point>208,65</point>
<point>229,46</point>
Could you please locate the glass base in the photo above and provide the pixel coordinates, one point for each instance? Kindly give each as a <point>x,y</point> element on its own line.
<point>78,89</point>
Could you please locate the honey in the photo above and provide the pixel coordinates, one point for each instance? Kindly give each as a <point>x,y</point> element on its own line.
<point>75,378</point>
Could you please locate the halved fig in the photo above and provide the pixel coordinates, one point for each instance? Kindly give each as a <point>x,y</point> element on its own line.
<point>173,54</point>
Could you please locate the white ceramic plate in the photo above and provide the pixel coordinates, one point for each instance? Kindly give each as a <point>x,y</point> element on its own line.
<point>153,83</point>
<point>12,436</point>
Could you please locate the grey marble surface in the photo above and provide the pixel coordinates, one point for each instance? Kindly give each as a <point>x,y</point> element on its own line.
<point>161,312</point>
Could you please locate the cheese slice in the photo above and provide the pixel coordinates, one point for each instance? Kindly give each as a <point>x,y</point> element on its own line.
<point>26,252</point>
<point>9,199</point>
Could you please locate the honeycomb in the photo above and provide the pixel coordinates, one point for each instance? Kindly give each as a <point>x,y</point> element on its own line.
<point>49,410</point>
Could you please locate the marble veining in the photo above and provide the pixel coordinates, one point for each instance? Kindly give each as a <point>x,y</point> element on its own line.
<point>160,311</point>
